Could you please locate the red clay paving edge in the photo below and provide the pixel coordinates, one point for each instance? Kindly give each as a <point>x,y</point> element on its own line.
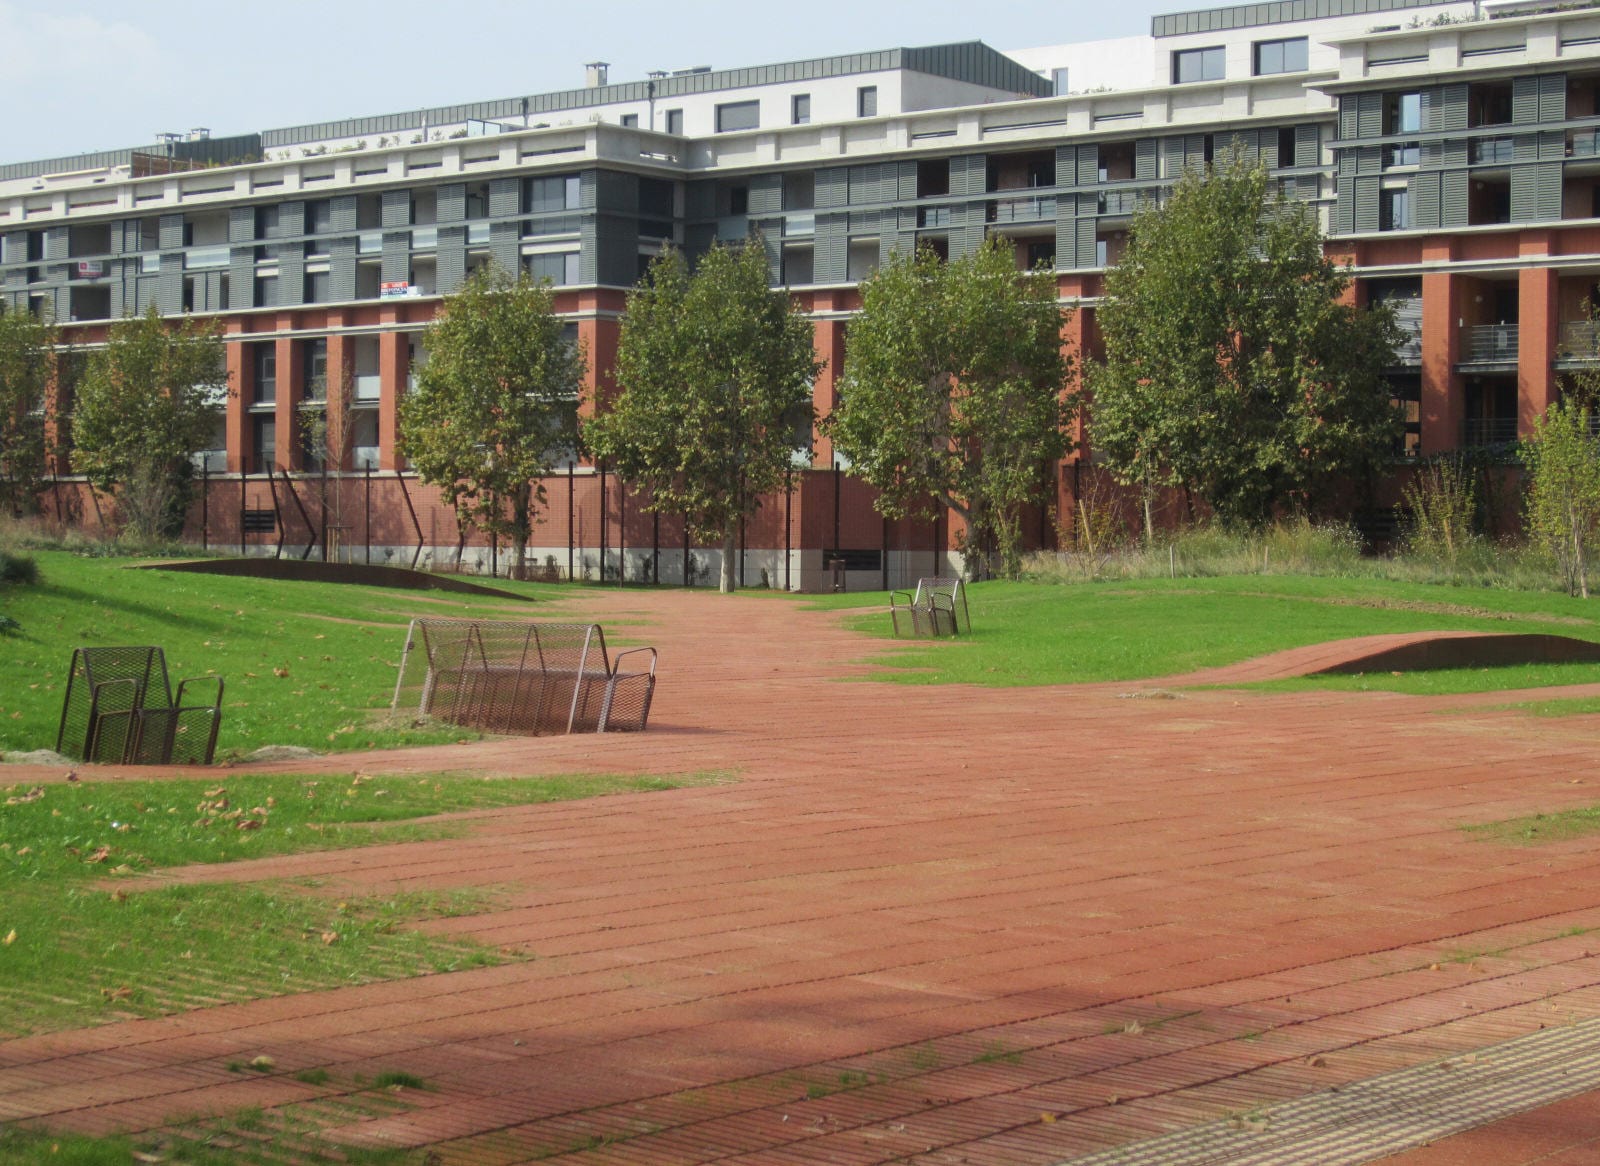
<point>974,925</point>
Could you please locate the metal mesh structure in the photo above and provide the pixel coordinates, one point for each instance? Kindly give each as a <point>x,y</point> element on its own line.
<point>938,608</point>
<point>120,708</point>
<point>523,678</point>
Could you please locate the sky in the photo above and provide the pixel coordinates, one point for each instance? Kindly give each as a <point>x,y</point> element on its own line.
<point>84,75</point>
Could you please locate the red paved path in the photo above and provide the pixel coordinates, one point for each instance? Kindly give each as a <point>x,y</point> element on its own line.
<point>987,926</point>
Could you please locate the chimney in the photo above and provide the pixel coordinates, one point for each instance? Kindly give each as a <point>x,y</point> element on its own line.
<point>595,74</point>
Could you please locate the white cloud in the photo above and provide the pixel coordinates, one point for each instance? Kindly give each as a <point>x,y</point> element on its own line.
<point>69,50</point>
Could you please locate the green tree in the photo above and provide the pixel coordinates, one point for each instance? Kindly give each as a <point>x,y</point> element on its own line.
<point>26,359</point>
<point>1563,461</point>
<point>714,372</point>
<point>496,403</point>
<point>145,404</point>
<point>952,395</point>
<point>1233,367</point>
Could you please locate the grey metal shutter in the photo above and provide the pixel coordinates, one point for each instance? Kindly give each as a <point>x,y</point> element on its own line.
<point>56,243</point>
<point>1455,152</point>
<point>1344,209</point>
<point>1307,145</point>
<point>1525,147</point>
<point>342,212</point>
<point>766,194</point>
<point>342,269</point>
<point>451,206</point>
<point>1425,201</point>
<point>1194,151</point>
<point>1452,102</point>
<point>832,189</point>
<point>1086,241</point>
<point>1349,117</point>
<point>1369,160</point>
<point>241,224</point>
<point>1369,115</point>
<point>170,232</point>
<point>1536,192</point>
<point>969,174</point>
<point>396,261</point>
<point>451,257</point>
<point>1524,100</point>
<point>291,273</point>
<point>1553,144</point>
<point>291,219</point>
<point>1146,158</point>
<point>396,209</point>
<point>1432,154</point>
<point>505,239</point>
<point>505,200</point>
<point>1248,143</point>
<point>906,184</point>
<point>1366,200</point>
<point>1453,198</point>
<point>1172,157</point>
<point>1066,243</point>
<point>1088,165</point>
<point>830,255</point>
<point>1553,97</point>
<point>242,275</point>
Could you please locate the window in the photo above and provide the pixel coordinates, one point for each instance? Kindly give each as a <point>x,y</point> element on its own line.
<point>867,101</point>
<point>738,115</point>
<point>264,442</point>
<point>739,200</point>
<point>1394,210</point>
<point>1281,56</point>
<point>675,122</point>
<point>1198,65</point>
<point>1286,150</point>
<point>1058,82</point>
<point>560,268</point>
<point>266,373</point>
<point>266,291</point>
<point>1402,113</point>
<point>800,109</point>
<point>319,216</point>
<point>561,193</point>
<point>630,121</point>
<point>315,358</point>
<point>266,222</point>
<point>318,287</point>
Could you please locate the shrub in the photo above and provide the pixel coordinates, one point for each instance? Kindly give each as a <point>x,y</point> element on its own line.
<point>1442,501</point>
<point>17,569</point>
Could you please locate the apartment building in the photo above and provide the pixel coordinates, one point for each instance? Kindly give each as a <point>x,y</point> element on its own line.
<point>1451,149</point>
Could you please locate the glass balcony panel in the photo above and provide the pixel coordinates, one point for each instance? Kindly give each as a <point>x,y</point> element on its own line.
<point>477,233</point>
<point>1022,210</point>
<point>1489,344</point>
<point>202,257</point>
<point>800,224</point>
<point>368,386</point>
<point>1491,150</point>
<point>934,216</point>
<point>424,238</point>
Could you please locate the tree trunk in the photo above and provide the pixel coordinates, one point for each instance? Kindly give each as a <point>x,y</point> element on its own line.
<point>728,551</point>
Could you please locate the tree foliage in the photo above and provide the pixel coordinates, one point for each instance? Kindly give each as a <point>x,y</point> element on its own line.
<point>952,392</point>
<point>26,358</point>
<point>145,404</point>
<point>496,403</point>
<point>714,372</point>
<point>1233,367</point>
<point>1563,461</point>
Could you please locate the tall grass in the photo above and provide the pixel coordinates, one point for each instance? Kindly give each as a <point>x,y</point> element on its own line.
<point>1299,547</point>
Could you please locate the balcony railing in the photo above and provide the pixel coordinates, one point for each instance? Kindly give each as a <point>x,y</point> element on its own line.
<point>369,243</point>
<point>934,216</point>
<point>1491,150</point>
<point>1489,344</point>
<point>1583,143</point>
<point>1478,432</point>
<point>800,224</point>
<point>424,238</point>
<point>368,386</point>
<point>1402,154</point>
<point>1032,209</point>
<point>1580,340</point>
<point>200,257</point>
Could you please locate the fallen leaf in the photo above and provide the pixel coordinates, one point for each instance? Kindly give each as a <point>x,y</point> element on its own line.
<point>32,795</point>
<point>11,937</point>
<point>1317,1062</point>
<point>216,793</point>
<point>262,1062</point>
<point>118,896</point>
<point>280,673</point>
<point>1133,1028</point>
<point>1047,1118</point>
<point>249,824</point>
<point>116,993</point>
<point>329,938</point>
<point>99,855</point>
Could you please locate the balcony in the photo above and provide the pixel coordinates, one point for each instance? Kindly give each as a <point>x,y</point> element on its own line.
<point>1409,350</point>
<point>199,258</point>
<point>1579,341</point>
<point>1033,209</point>
<point>1583,143</point>
<point>1486,432</point>
<point>1491,150</point>
<point>1489,344</point>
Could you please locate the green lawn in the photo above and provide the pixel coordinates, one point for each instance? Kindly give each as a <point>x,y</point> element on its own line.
<point>1028,633</point>
<point>83,939</point>
<point>309,664</point>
